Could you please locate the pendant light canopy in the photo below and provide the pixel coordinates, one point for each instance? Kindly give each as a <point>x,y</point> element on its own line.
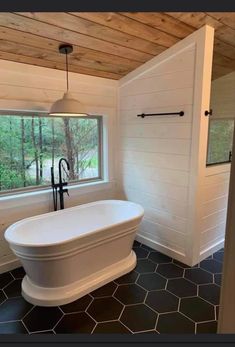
<point>67,106</point>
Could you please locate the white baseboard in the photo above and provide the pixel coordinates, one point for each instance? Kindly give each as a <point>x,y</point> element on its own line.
<point>163,249</point>
<point>211,249</point>
<point>9,265</point>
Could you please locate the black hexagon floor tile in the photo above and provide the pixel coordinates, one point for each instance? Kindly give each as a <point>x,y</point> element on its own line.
<point>5,279</point>
<point>198,276</point>
<point>106,290</point>
<point>152,281</point>
<point>12,328</point>
<point>175,323</point>
<point>2,297</point>
<point>210,292</point>
<point>139,317</point>
<point>211,265</point>
<point>218,279</point>
<point>78,305</point>
<point>162,301</point>
<point>105,309</point>
<point>144,266</point>
<point>75,323</point>
<point>106,314</point>
<point>159,258</point>
<point>217,312</point>
<point>207,328</point>
<point>136,244</point>
<point>18,273</point>
<point>130,294</point>
<point>141,253</point>
<point>147,248</point>
<point>42,318</point>
<point>184,266</point>
<point>219,256</point>
<point>182,287</point>
<point>14,309</point>
<point>13,289</point>
<point>197,309</point>
<point>128,278</point>
<point>170,270</point>
<point>43,332</point>
<point>114,327</point>
<point>147,332</point>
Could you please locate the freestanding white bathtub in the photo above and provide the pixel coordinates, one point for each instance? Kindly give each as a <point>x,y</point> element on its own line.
<point>69,253</point>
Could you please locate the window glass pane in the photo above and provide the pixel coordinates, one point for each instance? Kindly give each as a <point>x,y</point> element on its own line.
<point>29,146</point>
<point>220,140</point>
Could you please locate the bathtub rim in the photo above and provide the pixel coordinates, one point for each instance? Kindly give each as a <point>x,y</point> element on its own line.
<point>11,228</point>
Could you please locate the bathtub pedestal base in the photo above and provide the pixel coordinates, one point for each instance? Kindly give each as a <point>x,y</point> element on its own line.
<point>42,296</point>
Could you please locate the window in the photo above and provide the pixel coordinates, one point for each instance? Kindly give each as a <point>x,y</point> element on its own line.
<point>31,145</point>
<point>220,141</point>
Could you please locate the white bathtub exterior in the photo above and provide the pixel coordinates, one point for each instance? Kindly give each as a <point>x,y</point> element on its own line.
<point>67,254</point>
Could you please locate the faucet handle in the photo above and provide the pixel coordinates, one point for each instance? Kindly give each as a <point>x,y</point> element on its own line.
<point>66,191</point>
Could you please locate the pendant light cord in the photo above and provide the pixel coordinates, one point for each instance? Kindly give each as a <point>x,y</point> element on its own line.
<point>67,72</point>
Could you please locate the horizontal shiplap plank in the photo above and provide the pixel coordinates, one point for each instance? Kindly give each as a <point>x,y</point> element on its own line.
<point>169,237</point>
<point>215,205</point>
<point>158,99</point>
<point>49,96</point>
<point>169,221</point>
<point>213,219</point>
<point>211,192</point>
<point>160,160</point>
<point>163,82</point>
<point>175,131</point>
<point>175,208</point>
<point>169,146</point>
<point>210,236</point>
<point>181,61</point>
<point>216,179</point>
<point>180,178</point>
<point>173,191</point>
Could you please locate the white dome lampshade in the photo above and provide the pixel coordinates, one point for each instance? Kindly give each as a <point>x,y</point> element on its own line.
<point>68,106</point>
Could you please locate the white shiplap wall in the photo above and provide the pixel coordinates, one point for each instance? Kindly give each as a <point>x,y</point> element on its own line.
<point>156,152</point>
<point>215,182</point>
<point>27,87</point>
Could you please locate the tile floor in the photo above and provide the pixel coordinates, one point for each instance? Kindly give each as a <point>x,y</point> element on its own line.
<point>161,295</point>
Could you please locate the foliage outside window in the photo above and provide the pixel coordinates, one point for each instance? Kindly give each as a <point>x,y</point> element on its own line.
<point>31,145</point>
<point>220,141</point>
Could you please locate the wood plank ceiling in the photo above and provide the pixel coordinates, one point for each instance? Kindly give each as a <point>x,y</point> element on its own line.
<point>109,44</point>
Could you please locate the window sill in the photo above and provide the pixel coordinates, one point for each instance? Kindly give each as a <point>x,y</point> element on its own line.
<point>75,189</point>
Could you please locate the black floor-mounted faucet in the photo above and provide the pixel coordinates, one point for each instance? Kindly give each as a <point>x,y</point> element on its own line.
<point>59,187</point>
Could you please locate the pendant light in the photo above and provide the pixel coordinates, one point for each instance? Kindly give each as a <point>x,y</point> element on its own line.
<point>67,106</point>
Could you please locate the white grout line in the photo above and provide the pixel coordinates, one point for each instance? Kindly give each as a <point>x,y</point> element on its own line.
<point>25,326</point>
<point>58,321</point>
<point>92,331</point>
<point>28,313</point>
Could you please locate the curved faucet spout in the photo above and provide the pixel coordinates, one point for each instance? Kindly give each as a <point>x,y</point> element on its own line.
<point>60,166</point>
